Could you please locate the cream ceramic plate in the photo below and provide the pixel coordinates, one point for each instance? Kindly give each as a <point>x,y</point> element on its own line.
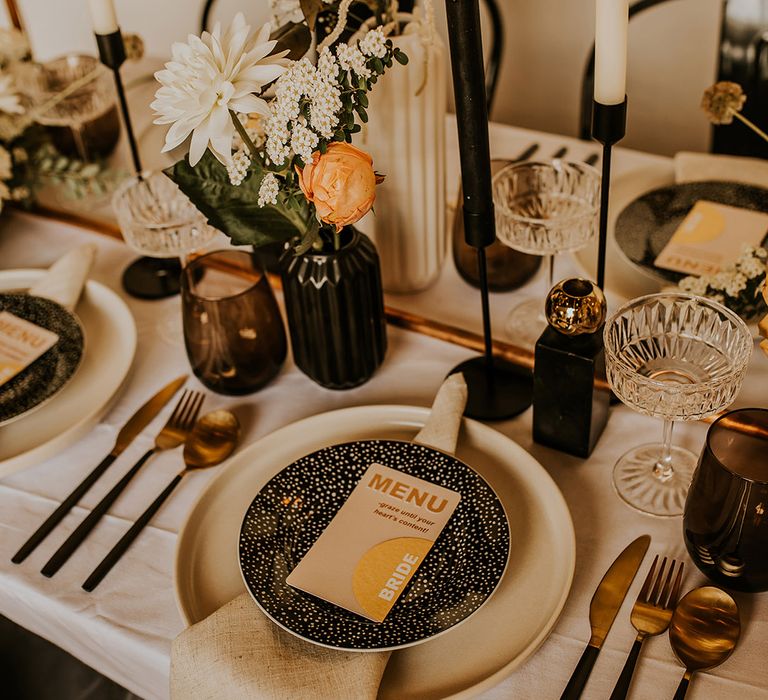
<point>475,655</point>
<point>111,343</point>
<point>622,276</point>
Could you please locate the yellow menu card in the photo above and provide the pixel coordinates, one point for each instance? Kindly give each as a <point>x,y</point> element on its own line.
<point>375,543</point>
<point>712,237</point>
<point>21,343</point>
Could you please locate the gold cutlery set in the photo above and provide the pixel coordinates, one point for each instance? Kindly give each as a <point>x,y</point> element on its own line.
<point>704,625</point>
<point>207,441</point>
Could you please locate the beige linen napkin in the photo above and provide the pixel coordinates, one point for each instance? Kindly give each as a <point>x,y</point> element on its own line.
<point>237,653</point>
<point>64,281</point>
<point>697,167</point>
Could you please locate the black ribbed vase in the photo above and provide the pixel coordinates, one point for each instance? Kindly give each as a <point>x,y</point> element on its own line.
<point>335,310</point>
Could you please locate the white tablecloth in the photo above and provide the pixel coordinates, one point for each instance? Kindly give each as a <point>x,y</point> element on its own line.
<point>125,627</point>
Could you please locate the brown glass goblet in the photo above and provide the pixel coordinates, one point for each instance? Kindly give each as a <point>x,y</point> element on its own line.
<point>233,330</point>
<point>725,523</point>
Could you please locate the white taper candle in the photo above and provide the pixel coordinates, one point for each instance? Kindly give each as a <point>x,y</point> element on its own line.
<point>611,20</point>
<point>103,16</point>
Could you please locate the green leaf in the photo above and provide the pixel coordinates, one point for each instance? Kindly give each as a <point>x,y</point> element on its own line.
<point>295,37</point>
<point>234,210</point>
<point>310,9</point>
<point>362,99</point>
<point>400,57</point>
<point>308,240</point>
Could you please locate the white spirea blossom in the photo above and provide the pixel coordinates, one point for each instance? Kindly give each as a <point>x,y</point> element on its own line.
<point>736,284</point>
<point>694,285</point>
<point>351,59</point>
<point>303,141</point>
<point>268,190</point>
<point>238,168</point>
<point>751,266</point>
<point>327,66</point>
<point>288,130</point>
<point>374,43</point>
<point>208,77</point>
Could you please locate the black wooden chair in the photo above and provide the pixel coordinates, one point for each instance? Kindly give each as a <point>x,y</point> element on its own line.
<point>743,59</point>
<point>496,40</point>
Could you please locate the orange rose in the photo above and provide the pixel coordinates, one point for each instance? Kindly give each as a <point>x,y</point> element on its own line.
<point>341,183</point>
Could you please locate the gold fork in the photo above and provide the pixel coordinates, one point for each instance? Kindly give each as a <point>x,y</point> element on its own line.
<point>651,615</point>
<point>173,434</point>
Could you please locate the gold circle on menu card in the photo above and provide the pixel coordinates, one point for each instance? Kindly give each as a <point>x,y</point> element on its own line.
<point>384,571</point>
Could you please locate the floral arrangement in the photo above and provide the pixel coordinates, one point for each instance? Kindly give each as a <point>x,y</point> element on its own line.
<point>28,159</point>
<point>722,103</point>
<point>270,154</point>
<point>738,286</point>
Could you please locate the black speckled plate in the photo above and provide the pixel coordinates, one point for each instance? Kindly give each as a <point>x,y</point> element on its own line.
<point>48,374</point>
<point>459,574</point>
<point>645,226</point>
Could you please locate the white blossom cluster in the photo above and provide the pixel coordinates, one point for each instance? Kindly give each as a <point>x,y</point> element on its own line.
<point>737,286</point>
<point>374,43</point>
<point>290,130</point>
<point>351,58</point>
<point>237,168</point>
<point>268,190</point>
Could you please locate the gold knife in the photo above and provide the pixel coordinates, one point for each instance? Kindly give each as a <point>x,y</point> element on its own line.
<point>137,422</point>
<point>605,604</point>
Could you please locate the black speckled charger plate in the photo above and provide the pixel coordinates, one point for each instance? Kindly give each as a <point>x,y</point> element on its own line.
<point>459,574</point>
<point>645,226</point>
<point>48,374</point>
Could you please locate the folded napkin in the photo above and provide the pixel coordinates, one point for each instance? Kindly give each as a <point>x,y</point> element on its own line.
<point>239,654</point>
<point>64,281</point>
<point>698,167</point>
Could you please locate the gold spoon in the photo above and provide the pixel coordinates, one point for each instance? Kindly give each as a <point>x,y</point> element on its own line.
<point>211,441</point>
<point>704,630</point>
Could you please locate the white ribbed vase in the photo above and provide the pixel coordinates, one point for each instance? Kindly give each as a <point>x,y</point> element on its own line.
<point>406,137</point>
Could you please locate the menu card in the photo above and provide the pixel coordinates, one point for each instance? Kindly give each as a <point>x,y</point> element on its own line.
<point>21,343</point>
<point>711,237</point>
<point>375,543</point>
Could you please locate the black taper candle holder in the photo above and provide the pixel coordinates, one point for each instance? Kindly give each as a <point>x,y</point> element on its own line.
<point>145,278</point>
<point>609,124</point>
<point>497,389</point>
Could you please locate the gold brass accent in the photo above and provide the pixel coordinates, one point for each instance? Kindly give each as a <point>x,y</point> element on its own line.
<point>704,629</point>
<point>575,306</point>
<point>652,611</point>
<point>139,420</point>
<point>211,441</point>
<point>613,589</point>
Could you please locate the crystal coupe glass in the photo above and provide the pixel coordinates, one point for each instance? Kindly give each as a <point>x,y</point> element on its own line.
<point>673,356</point>
<point>157,219</point>
<point>543,208</point>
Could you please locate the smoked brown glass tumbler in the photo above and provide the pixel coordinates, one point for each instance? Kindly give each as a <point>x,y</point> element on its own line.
<point>725,524</point>
<point>233,330</point>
